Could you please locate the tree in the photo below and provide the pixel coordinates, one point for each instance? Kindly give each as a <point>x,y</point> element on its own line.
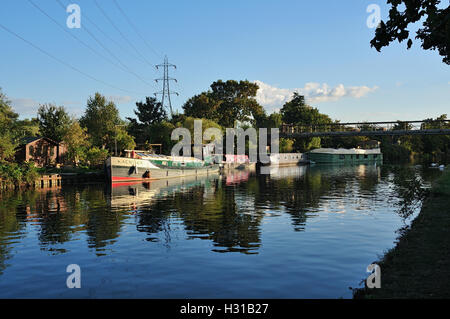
<point>8,118</point>
<point>435,33</point>
<point>76,140</point>
<point>96,157</point>
<point>298,112</point>
<point>160,133</point>
<point>274,120</point>
<point>26,127</point>
<point>53,121</point>
<point>202,105</point>
<point>7,146</point>
<point>150,112</point>
<point>103,124</point>
<point>188,123</point>
<point>124,140</point>
<point>7,115</point>
<point>286,145</point>
<point>226,103</point>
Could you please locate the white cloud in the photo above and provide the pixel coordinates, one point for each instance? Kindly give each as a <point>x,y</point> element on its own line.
<point>120,99</point>
<point>273,98</point>
<point>25,106</point>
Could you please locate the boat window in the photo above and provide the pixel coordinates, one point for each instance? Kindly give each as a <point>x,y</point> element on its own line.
<point>375,155</point>
<point>357,156</point>
<point>342,156</point>
<point>366,156</point>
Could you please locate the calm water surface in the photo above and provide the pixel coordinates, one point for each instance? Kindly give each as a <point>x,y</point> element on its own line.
<point>300,232</point>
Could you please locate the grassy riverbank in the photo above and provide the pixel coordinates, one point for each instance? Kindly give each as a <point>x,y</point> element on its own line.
<point>419,265</point>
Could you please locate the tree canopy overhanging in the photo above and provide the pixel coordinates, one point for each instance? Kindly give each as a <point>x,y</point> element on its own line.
<point>434,33</point>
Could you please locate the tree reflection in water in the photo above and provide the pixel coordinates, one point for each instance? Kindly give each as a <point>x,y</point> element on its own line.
<point>229,214</point>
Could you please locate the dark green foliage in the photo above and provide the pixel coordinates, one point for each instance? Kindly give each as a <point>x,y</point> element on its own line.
<point>29,173</point>
<point>149,112</point>
<point>8,118</point>
<point>298,112</point>
<point>434,34</point>
<point>422,148</point>
<point>95,157</point>
<point>104,125</point>
<point>25,173</point>
<point>226,103</point>
<point>53,121</point>
<point>150,116</point>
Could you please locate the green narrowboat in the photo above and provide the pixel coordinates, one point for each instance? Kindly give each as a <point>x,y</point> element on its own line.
<point>344,156</point>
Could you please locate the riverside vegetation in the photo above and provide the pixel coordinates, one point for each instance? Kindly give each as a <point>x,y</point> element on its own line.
<point>419,265</point>
<point>101,132</point>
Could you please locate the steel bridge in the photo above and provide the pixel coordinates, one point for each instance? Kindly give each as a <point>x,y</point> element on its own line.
<point>397,128</point>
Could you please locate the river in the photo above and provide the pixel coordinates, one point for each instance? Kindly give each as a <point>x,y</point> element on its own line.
<point>299,232</point>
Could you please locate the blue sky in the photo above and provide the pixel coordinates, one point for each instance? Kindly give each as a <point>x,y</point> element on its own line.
<point>320,48</point>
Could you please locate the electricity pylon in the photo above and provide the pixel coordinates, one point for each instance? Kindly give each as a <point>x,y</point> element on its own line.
<point>166,93</point>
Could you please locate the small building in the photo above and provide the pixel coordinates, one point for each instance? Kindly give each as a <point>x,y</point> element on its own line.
<point>40,150</point>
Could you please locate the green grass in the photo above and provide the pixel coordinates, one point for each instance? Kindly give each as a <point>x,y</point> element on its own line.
<point>419,265</point>
<point>442,184</point>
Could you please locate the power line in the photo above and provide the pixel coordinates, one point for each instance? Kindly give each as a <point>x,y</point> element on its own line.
<point>103,32</point>
<point>136,30</point>
<point>122,67</point>
<point>120,32</point>
<point>63,62</point>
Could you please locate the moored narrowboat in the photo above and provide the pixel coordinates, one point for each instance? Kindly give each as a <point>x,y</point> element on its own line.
<point>343,156</point>
<point>149,167</point>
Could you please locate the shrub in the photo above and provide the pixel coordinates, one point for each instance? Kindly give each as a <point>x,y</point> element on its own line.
<point>11,173</point>
<point>18,174</point>
<point>29,173</point>
<point>95,157</point>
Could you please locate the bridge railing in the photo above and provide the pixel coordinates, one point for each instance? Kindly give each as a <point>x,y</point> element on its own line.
<point>366,126</point>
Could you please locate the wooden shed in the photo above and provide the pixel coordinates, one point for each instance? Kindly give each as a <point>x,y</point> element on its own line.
<point>40,150</point>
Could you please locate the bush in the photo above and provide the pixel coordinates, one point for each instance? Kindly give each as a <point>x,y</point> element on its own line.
<point>18,174</point>
<point>96,157</point>
<point>442,184</point>
<point>286,145</point>
<point>29,173</point>
<point>11,173</point>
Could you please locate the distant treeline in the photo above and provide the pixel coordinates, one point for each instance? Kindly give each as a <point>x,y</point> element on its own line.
<point>100,131</point>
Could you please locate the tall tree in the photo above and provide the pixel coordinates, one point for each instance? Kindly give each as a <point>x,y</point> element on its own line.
<point>7,115</point>
<point>296,111</point>
<point>8,119</point>
<point>149,115</point>
<point>226,103</point>
<point>150,112</point>
<point>103,124</point>
<point>203,105</point>
<point>53,121</point>
<point>435,33</point>
<point>76,140</point>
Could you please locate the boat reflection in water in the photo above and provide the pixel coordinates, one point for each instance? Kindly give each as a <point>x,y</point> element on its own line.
<point>282,234</point>
<point>134,194</point>
<point>277,172</point>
